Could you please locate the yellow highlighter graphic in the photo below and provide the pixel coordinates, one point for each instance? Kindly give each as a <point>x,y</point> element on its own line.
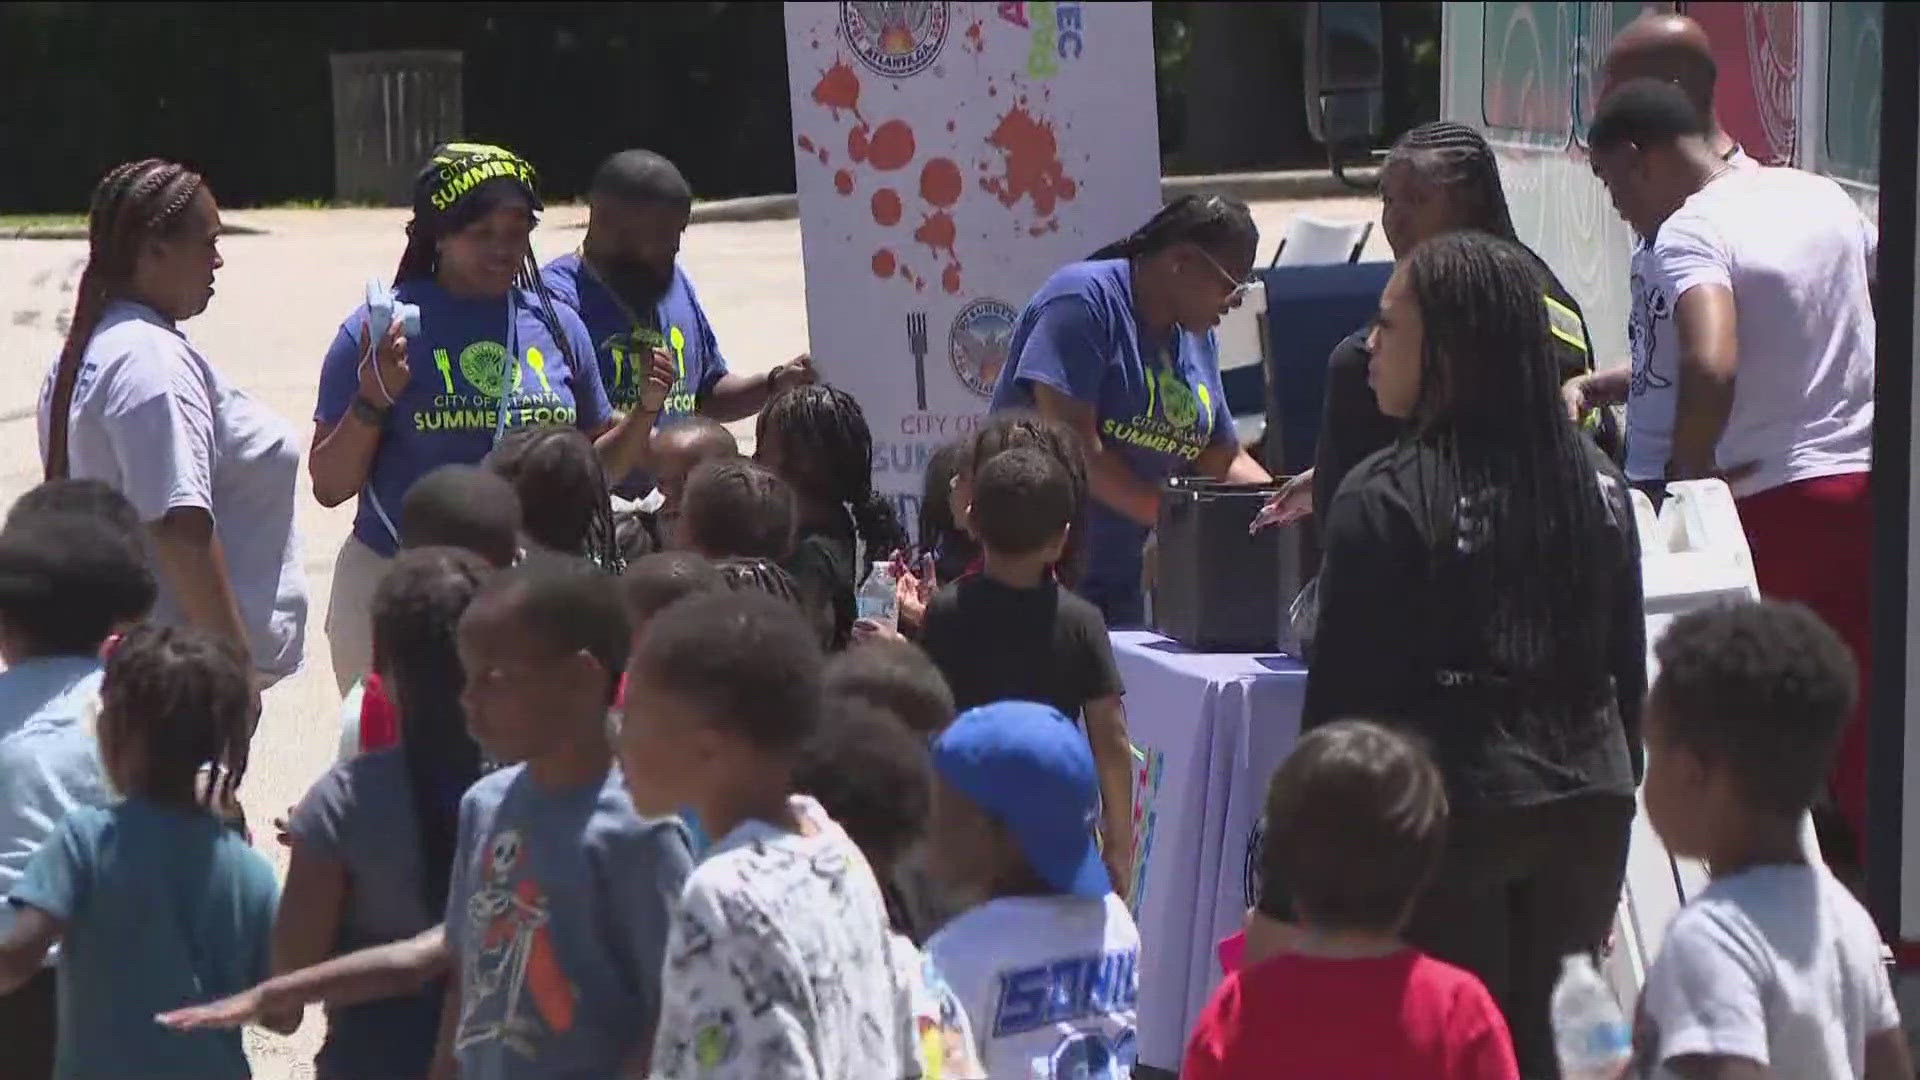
<point>539,365</point>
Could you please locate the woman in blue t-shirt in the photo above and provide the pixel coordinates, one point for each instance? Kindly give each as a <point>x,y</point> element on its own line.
<point>493,353</point>
<point>1121,349</point>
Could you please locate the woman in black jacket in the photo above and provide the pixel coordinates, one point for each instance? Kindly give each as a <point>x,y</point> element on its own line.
<point>1481,587</point>
<point>1439,178</point>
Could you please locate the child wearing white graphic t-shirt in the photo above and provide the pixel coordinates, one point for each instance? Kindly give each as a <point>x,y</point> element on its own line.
<point>1047,962</point>
<point>778,961</point>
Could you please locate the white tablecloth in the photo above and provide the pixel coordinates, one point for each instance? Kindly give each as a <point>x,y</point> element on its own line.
<point>1208,731</point>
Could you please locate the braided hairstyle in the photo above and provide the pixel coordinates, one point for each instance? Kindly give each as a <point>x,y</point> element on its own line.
<point>1457,159</point>
<point>563,491</point>
<point>1214,222</point>
<point>1529,496</point>
<point>826,453</point>
<point>432,220</point>
<point>132,203</point>
<point>416,613</point>
<point>183,701</point>
<point>750,575</point>
<point>1015,428</point>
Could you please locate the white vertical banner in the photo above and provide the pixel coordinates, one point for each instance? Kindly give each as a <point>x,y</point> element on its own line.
<point>949,158</point>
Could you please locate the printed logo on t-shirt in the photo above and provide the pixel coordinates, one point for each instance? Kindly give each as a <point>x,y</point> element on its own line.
<point>1065,990</point>
<point>483,379</point>
<point>513,990</point>
<point>1178,419</point>
<point>1651,309</point>
<point>1088,1055</point>
<point>628,358</point>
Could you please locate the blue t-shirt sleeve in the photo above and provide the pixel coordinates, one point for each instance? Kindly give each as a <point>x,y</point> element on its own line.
<point>589,393</point>
<point>641,869</point>
<point>316,822</point>
<point>714,364</point>
<point>1067,349</point>
<point>340,371</point>
<point>58,875</point>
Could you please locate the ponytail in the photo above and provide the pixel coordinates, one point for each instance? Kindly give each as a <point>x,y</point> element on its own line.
<point>1212,221</point>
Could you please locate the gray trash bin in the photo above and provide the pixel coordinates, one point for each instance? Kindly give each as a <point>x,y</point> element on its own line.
<point>389,111</point>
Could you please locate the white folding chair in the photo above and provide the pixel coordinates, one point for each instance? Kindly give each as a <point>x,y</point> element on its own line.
<point>1312,242</point>
<point>1242,340</point>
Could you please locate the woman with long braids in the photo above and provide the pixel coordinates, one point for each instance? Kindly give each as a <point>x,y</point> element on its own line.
<point>132,403</point>
<point>1481,588</point>
<point>493,353</point>
<point>373,840</point>
<point>1439,177</point>
<point>1121,349</point>
<point>815,438</point>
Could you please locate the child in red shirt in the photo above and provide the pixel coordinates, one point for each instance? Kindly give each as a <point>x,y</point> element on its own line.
<point>1356,819</point>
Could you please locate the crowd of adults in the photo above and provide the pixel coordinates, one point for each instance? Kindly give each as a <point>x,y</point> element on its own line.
<point>1478,604</point>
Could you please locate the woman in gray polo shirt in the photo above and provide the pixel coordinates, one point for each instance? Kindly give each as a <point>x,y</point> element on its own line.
<point>131,402</point>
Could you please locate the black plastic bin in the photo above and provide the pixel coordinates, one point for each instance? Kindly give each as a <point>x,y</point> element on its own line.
<point>1219,588</point>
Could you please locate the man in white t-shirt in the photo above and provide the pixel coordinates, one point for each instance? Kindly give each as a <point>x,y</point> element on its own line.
<point>1046,965</point>
<point>1753,353</point>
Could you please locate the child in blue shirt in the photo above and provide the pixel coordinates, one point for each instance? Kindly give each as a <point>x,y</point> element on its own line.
<point>558,909</point>
<point>70,539</point>
<point>154,900</point>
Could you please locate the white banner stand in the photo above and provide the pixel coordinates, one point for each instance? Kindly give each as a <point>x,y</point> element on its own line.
<point>1693,554</point>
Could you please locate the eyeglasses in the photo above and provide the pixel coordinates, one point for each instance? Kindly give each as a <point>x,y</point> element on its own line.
<point>1239,288</point>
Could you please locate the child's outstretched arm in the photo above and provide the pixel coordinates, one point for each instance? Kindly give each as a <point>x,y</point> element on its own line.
<point>25,949</point>
<point>383,971</point>
<point>1106,720</point>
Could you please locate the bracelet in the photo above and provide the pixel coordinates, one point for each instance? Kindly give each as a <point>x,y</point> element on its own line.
<point>367,412</point>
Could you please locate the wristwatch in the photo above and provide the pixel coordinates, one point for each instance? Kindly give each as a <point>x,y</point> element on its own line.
<point>367,412</point>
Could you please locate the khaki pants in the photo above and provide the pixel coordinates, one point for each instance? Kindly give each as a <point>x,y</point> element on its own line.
<point>357,571</point>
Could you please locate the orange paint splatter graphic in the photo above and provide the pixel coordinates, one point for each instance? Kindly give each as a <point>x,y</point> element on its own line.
<point>950,278</point>
<point>857,143</point>
<point>824,157</point>
<point>937,232</point>
<point>805,144</point>
<point>838,88</point>
<point>843,182</point>
<point>1032,163</point>
<point>975,38</point>
<point>940,182</point>
<point>883,263</point>
<point>891,146</point>
<point>886,207</point>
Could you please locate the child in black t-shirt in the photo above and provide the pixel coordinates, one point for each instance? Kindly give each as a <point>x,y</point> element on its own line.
<point>1012,632</point>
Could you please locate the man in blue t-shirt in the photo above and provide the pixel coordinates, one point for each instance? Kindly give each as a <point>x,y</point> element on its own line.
<point>639,304</point>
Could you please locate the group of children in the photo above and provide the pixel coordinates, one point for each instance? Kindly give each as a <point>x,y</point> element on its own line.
<point>676,826</point>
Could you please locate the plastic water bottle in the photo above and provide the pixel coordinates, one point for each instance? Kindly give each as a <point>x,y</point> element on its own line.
<point>1589,1032</point>
<point>876,600</point>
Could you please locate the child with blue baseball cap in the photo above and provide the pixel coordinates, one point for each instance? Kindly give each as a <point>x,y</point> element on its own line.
<point>1046,960</point>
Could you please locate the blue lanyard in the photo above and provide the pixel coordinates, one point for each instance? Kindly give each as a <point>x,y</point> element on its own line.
<point>509,372</point>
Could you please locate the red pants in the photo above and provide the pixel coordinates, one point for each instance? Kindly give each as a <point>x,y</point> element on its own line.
<point>1812,541</point>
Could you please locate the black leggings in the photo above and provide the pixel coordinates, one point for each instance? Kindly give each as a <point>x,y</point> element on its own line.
<point>1518,889</point>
